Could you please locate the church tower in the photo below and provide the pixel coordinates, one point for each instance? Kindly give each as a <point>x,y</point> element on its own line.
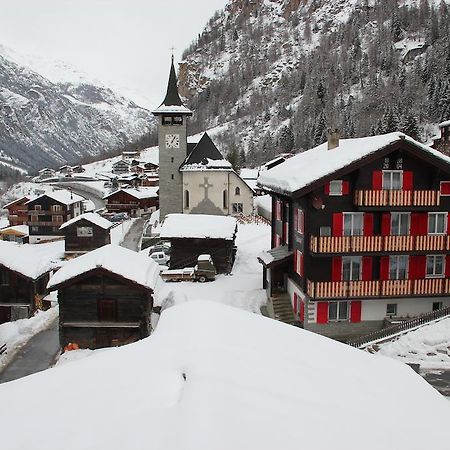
<point>172,140</point>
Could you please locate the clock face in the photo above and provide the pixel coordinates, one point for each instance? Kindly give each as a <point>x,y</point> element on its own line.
<point>172,141</point>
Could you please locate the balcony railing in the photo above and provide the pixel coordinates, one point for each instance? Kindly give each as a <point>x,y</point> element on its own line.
<point>396,198</point>
<point>371,244</point>
<point>378,288</point>
<point>45,224</point>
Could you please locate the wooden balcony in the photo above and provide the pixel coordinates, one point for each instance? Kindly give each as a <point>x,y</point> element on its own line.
<point>372,244</point>
<point>377,288</point>
<point>396,198</point>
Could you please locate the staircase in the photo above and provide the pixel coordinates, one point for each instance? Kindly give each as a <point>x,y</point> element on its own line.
<point>282,308</point>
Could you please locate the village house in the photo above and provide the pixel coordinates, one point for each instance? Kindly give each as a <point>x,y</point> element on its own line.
<point>121,167</point>
<point>105,297</point>
<point>130,155</point>
<point>17,211</point>
<point>49,211</point>
<point>134,202</point>
<point>18,233</point>
<point>360,234</point>
<point>65,170</point>
<point>46,173</point>
<point>442,142</point>
<point>151,167</point>
<point>192,235</point>
<point>78,169</point>
<point>24,273</point>
<point>85,233</point>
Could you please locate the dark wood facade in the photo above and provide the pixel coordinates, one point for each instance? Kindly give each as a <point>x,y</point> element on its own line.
<point>442,143</point>
<point>84,236</point>
<point>18,212</point>
<point>121,201</point>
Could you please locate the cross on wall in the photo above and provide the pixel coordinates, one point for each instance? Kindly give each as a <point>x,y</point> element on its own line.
<point>205,185</point>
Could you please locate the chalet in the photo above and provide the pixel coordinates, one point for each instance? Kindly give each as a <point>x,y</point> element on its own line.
<point>192,235</point>
<point>18,233</point>
<point>130,155</point>
<point>121,166</point>
<point>150,167</point>
<point>442,142</point>
<point>147,180</point>
<point>24,273</point>
<point>137,169</point>
<point>17,211</point>
<point>135,202</point>
<point>46,173</point>
<point>78,169</point>
<point>49,211</point>
<point>360,233</point>
<point>85,233</point>
<point>105,297</point>
<point>65,170</point>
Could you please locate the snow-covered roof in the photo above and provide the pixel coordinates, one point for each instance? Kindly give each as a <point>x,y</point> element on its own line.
<point>444,124</point>
<point>17,200</point>
<point>141,193</point>
<point>115,259</point>
<point>17,229</point>
<point>172,109</point>
<point>249,174</point>
<point>94,218</point>
<point>32,261</point>
<point>208,164</point>
<point>62,196</point>
<point>201,226</point>
<point>213,377</point>
<point>307,167</point>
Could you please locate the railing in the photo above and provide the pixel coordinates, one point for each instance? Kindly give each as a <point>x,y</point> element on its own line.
<point>395,329</point>
<point>2,349</point>
<point>396,198</point>
<point>378,288</point>
<point>45,224</point>
<point>364,244</point>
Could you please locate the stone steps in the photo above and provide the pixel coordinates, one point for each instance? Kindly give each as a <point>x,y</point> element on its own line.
<point>282,309</point>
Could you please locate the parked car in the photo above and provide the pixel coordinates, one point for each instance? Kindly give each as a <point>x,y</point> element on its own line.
<point>160,247</point>
<point>119,217</point>
<point>161,258</point>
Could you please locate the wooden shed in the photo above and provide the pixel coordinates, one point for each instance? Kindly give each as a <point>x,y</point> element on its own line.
<point>192,235</point>
<point>105,297</point>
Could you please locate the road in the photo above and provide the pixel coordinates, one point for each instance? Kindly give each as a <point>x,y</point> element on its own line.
<point>439,379</point>
<point>132,239</point>
<point>90,195</point>
<point>38,354</point>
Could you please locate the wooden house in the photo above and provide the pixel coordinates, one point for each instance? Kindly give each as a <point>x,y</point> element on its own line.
<point>78,169</point>
<point>24,273</point>
<point>45,173</point>
<point>192,235</point>
<point>134,202</point>
<point>105,297</point>
<point>49,211</point>
<point>18,233</point>
<point>120,167</point>
<point>442,142</point>
<point>17,211</point>
<point>130,155</point>
<point>85,233</point>
<point>150,167</point>
<point>65,170</point>
<point>360,233</point>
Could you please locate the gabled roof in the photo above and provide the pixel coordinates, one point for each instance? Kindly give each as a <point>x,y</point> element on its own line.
<point>308,167</point>
<point>17,200</point>
<point>62,196</point>
<point>17,230</point>
<point>94,218</point>
<point>142,193</point>
<point>120,261</point>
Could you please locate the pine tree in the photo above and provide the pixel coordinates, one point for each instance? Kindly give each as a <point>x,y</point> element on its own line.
<point>286,139</point>
<point>242,158</point>
<point>320,130</point>
<point>410,125</point>
<point>233,157</point>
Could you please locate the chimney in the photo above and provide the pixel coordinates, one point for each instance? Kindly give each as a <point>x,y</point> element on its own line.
<point>333,139</point>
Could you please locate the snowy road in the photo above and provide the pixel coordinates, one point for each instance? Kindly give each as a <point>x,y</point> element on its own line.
<point>133,237</point>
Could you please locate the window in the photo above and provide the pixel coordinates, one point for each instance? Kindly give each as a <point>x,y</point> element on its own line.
<point>172,159</point>
<point>278,209</point>
<point>300,224</point>
<point>336,187</point>
<point>172,177</point>
<point>400,224</point>
<point>167,120</point>
<point>392,179</point>
<point>186,199</point>
<point>237,208</point>
<point>35,229</point>
<point>437,223</point>
<point>237,191</point>
<point>437,306</point>
<point>337,311</point>
<point>398,267</point>
<point>391,309</point>
<point>58,219</point>
<point>172,120</point>
<point>435,266</point>
<point>298,260</point>
<point>34,218</point>
<point>4,277</point>
<point>56,208</point>
<point>225,199</point>
<point>85,232</point>
<point>325,231</point>
<point>351,268</point>
<point>37,207</point>
<point>353,224</point>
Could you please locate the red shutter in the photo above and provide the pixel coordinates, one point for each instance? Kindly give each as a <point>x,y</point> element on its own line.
<point>301,265</point>
<point>322,312</point>
<point>445,188</point>
<point>345,188</point>
<point>336,268</point>
<point>302,311</point>
<point>355,311</point>
<point>419,224</point>
<point>368,224</point>
<point>384,268</point>
<point>296,227</point>
<point>377,180</point>
<point>447,266</point>
<point>295,303</point>
<point>417,267</point>
<point>448,223</point>
<point>302,222</point>
<point>338,224</point>
<point>407,180</point>
<point>386,224</point>
<point>366,268</point>
<point>327,188</point>
<point>295,261</point>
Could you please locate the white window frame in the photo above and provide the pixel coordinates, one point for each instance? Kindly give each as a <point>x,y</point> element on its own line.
<point>237,209</point>
<point>352,216</point>
<point>339,317</point>
<point>300,225</point>
<point>435,274</point>
<point>402,217</point>
<point>389,186</point>
<point>395,309</point>
<point>398,269</point>
<point>435,214</point>
<point>299,263</point>
<point>85,232</point>
<point>336,188</point>
<point>354,274</point>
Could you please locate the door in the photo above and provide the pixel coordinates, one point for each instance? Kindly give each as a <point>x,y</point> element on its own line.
<point>107,310</point>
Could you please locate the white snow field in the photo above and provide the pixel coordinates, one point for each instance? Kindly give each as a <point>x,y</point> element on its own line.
<point>213,377</point>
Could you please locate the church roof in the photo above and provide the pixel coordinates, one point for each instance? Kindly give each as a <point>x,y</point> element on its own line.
<point>172,102</point>
<point>205,155</point>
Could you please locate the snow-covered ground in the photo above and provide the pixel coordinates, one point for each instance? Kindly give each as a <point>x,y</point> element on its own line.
<point>119,231</point>
<point>242,289</point>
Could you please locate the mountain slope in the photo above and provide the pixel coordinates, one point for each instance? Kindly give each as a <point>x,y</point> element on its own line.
<point>48,124</point>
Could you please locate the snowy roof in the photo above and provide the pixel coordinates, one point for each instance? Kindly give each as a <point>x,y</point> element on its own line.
<point>62,196</point>
<point>32,261</point>
<point>172,109</point>
<point>148,192</point>
<point>205,155</point>
<point>94,218</point>
<point>17,229</point>
<point>444,124</point>
<point>208,164</point>
<point>307,167</point>
<point>274,255</point>
<point>17,200</point>
<point>213,377</point>
<point>201,226</point>
<point>115,259</point>
<point>249,174</point>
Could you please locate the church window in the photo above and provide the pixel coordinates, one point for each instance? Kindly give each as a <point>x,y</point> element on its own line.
<point>186,199</point>
<point>167,120</point>
<point>237,191</point>
<point>172,177</point>
<point>177,120</point>
<point>225,199</point>
<point>238,208</point>
<point>172,159</point>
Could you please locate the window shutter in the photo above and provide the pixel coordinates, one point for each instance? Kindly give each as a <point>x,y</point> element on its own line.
<point>366,268</point>
<point>322,312</point>
<point>345,187</point>
<point>355,311</point>
<point>295,303</point>
<point>296,227</point>
<point>302,222</point>
<point>336,268</point>
<point>377,180</point>
<point>417,267</point>
<point>327,188</point>
<point>384,268</point>
<point>338,224</point>
<point>302,311</point>
<point>419,224</point>
<point>447,266</point>
<point>386,224</point>
<point>301,264</point>
<point>407,180</point>
<point>368,224</point>
<point>295,261</point>
<point>445,188</point>
<point>448,223</point>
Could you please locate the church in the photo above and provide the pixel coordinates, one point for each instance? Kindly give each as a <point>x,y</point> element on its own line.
<point>194,177</point>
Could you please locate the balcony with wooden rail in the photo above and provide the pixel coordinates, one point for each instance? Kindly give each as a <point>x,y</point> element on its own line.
<point>377,288</point>
<point>380,244</point>
<point>396,198</point>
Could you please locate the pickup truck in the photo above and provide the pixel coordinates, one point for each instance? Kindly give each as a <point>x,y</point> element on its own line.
<point>203,271</point>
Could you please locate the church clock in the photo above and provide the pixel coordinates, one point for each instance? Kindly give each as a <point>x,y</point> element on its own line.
<point>172,141</point>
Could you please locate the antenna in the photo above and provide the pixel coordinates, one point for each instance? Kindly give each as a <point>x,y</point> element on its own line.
<point>172,49</point>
